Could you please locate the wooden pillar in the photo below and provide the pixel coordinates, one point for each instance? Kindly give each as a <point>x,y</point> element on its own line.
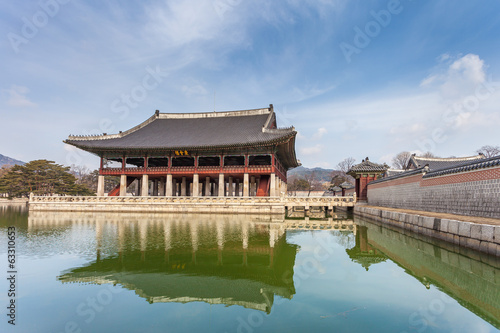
<point>144,190</point>
<point>221,184</point>
<point>123,185</point>
<point>196,185</point>
<point>246,190</point>
<point>100,186</point>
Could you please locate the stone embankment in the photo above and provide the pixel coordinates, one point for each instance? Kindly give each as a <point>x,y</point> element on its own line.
<point>478,236</point>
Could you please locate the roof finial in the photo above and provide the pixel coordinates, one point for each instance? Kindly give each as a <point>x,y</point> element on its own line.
<point>366,159</point>
<point>157,113</point>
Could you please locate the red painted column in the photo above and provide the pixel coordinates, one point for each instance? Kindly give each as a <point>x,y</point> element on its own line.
<point>102,163</point>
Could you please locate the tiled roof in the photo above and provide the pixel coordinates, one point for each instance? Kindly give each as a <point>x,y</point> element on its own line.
<point>473,165</point>
<point>346,185</point>
<point>192,130</point>
<point>436,163</point>
<point>393,172</point>
<point>400,175</point>
<point>464,167</point>
<point>367,166</point>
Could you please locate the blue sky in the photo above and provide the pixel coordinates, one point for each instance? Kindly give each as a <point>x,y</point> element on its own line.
<point>355,78</point>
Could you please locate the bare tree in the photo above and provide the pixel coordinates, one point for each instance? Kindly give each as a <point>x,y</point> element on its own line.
<point>313,182</point>
<point>489,151</point>
<point>346,164</point>
<point>400,161</point>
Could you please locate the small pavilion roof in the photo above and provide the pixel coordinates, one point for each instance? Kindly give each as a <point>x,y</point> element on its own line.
<point>346,185</point>
<point>436,163</point>
<point>367,166</point>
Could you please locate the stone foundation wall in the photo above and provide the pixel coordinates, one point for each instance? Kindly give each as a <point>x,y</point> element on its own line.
<point>480,237</point>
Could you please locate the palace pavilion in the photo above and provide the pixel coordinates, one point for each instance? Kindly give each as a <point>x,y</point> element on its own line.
<point>234,153</point>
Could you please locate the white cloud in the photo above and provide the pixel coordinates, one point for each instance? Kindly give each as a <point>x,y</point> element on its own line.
<point>312,150</point>
<point>17,96</point>
<point>194,90</point>
<point>319,133</point>
<point>458,79</point>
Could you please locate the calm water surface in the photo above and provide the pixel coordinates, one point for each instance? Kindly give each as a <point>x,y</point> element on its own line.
<point>186,273</point>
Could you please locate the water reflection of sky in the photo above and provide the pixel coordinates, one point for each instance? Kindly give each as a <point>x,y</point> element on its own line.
<point>98,274</point>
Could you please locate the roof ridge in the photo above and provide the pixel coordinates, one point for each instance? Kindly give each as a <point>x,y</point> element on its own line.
<point>474,157</point>
<point>158,115</point>
<point>238,113</point>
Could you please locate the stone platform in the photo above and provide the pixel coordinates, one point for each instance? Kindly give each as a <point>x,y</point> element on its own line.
<point>209,205</point>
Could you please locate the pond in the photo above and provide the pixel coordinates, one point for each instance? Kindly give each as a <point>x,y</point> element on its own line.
<point>109,272</point>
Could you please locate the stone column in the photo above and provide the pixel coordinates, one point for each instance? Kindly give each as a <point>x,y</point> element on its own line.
<point>137,187</point>
<point>246,191</point>
<point>183,187</point>
<point>221,184</point>
<point>145,180</point>
<point>207,186</point>
<point>175,187</point>
<point>100,186</point>
<point>272,187</point>
<point>162,186</point>
<point>196,185</point>
<point>230,187</point>
<point>155,187</point>
<point>123,185</point>
<point>237,188</point>
<point>169,186</point>
<point>253,186</point>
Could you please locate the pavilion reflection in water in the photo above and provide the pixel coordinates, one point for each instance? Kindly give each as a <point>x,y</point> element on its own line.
<point>183,258</point>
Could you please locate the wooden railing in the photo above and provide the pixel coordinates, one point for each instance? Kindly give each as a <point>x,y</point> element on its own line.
<point>238,169</point>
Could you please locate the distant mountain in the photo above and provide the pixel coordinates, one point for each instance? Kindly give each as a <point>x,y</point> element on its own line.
<point>324,175</point>
<point>5,160</point>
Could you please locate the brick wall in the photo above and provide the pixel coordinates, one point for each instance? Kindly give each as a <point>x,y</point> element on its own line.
<point>472,193</point>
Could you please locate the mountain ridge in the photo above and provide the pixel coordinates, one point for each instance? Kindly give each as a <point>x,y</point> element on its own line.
<point>6,160</point>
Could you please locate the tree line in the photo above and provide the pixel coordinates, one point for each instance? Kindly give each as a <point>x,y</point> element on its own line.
<point>43,177</point>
